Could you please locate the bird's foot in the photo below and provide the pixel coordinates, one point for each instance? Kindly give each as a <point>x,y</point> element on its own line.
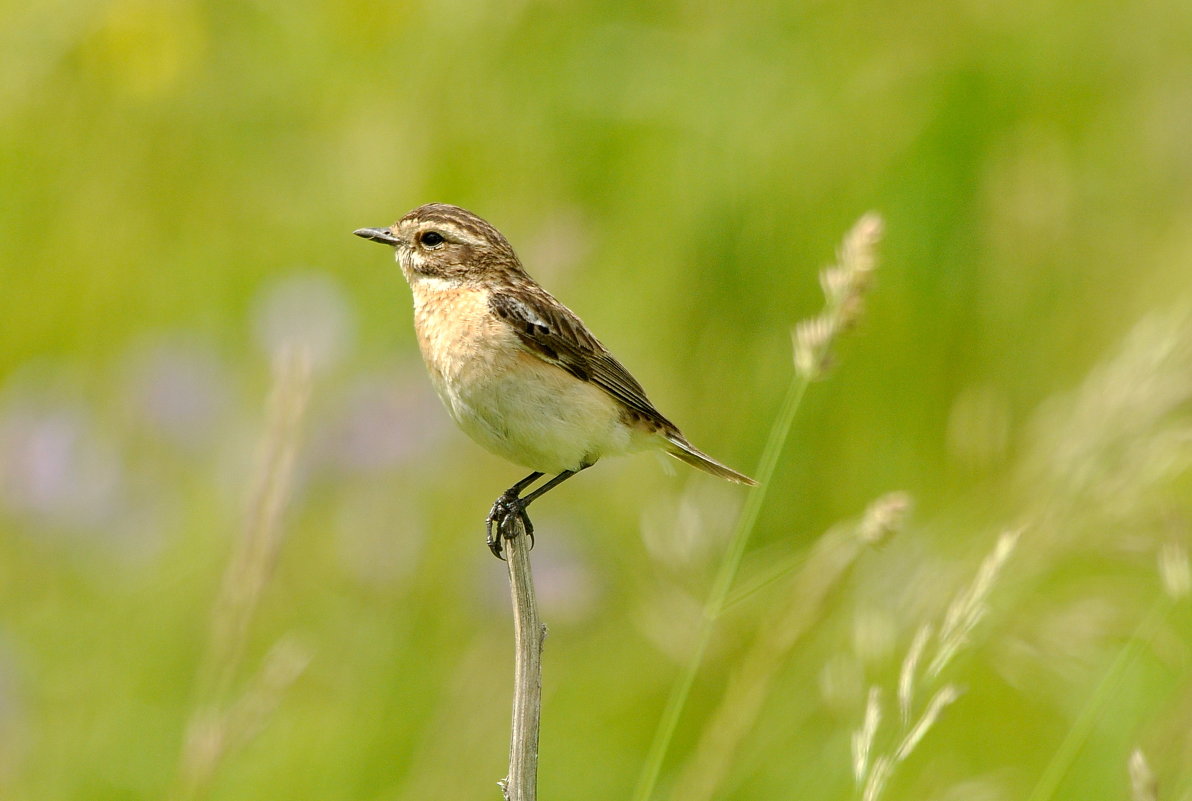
<point>501,522</point>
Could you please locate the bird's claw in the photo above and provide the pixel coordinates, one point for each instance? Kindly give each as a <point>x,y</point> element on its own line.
<point>499,525</point>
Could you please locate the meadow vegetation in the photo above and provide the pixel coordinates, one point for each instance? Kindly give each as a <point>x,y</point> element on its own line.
<point>242,548</point>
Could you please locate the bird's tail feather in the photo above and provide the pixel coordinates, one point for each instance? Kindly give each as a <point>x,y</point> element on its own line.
<point>683,450</point>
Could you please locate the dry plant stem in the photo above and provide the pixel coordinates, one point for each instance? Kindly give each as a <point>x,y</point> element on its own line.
<point>528,634</point>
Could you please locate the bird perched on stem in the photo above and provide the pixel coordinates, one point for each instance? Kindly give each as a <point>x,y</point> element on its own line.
<point>516,369</point>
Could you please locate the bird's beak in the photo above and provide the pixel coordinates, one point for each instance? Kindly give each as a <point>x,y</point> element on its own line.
<point>382,235</point>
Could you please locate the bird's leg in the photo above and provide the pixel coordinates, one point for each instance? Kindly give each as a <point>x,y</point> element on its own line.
<point>548,486</point>
<point>509,505</point>
<point>504,507</point>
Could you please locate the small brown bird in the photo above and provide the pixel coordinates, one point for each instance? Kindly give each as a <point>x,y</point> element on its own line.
<point>516,369</point>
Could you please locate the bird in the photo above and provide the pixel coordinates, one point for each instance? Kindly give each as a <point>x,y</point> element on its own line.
<point>517,370</point>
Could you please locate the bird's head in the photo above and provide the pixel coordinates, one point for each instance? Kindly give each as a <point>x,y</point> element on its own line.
<point>442,241</point>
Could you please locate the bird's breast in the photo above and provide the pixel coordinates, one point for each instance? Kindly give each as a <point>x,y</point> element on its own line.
<point>509,400</point>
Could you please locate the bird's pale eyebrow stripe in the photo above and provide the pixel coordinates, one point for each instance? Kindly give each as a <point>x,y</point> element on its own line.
<point>459,223</point>
<point>466,226</point>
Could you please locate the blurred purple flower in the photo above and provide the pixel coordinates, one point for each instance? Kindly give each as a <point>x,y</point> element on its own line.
<point>570,589</point>
<point>178,388</point>
<point>567,585</point>
<point>381,421</point>
<point>54,462</point>
<point>308,311</point>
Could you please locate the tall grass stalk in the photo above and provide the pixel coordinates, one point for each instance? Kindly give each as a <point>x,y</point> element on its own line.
<point>1143,786</point>
<point>749,686</point>
<point>844,286</point>
<point>871,769</point>
<point>219,723</point>
<point>1064,756</point>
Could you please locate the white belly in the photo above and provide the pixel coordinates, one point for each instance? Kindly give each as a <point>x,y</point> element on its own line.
<point>533,413</point>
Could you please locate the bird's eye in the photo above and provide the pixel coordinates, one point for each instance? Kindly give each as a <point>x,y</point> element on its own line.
<point>431,239</point>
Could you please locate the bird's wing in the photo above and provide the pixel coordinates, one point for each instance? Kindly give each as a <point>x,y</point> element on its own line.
<point>550,331</point>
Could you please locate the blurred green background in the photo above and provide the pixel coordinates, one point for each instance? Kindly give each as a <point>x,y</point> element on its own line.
<point>180,183</point>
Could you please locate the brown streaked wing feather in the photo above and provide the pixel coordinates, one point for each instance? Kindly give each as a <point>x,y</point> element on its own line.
<point>551,331</point>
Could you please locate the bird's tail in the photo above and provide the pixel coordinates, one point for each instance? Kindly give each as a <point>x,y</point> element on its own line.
<point>683,450</point>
